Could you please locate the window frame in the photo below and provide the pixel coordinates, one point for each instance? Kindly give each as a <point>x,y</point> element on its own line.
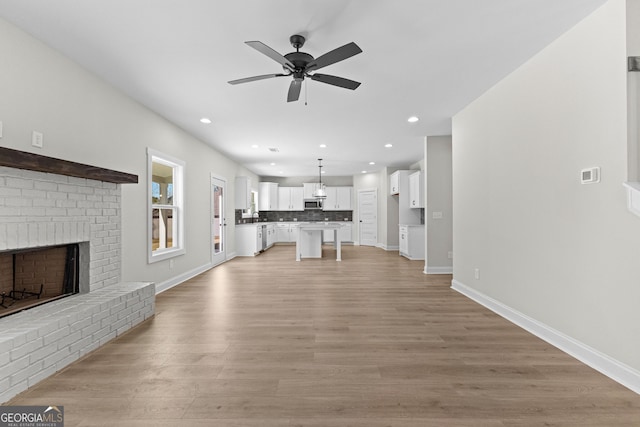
<point>178,166</point>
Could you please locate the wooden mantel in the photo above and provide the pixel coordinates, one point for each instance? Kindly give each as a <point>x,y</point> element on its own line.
<point>36,162</point>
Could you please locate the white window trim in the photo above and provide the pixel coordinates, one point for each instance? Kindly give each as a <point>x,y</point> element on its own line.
<point>178,204</point>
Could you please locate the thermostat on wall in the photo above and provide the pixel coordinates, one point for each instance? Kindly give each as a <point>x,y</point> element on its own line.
<point>590,175</point>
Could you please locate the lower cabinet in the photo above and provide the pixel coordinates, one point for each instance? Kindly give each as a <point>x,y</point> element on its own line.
<point>282,233</point>
<point>248,240</point>
<point>287,233</point>
<point>271,235</point>
<point>345,234</point>
<point>412,241</point>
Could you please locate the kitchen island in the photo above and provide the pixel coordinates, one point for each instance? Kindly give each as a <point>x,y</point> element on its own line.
<point>309,241</point>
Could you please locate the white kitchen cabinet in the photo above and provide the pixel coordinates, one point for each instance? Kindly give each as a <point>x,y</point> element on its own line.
<point>271,235</point>
<point>416,190</point>
<point>294,230</point>
<point>345,234</point>
<point>338,199</point>
<point>406,215</point>
<point>286,232</point>
<point>268,196</point>
<point>290,199</point>
<point>248,239</point>
<point>412,241</point>
<point>283,233</point>
<point>394,183</point>
<point>308,189</point>
<point>242,192</point>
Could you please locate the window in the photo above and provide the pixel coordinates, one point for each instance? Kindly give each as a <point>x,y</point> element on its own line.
<point>253,207</point>
<point>165,206</point>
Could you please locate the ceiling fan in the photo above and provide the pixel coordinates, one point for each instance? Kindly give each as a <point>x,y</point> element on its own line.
<point>300,65</point>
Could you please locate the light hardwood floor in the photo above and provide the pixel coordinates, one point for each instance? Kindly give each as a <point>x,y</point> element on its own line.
<point>369,341</point>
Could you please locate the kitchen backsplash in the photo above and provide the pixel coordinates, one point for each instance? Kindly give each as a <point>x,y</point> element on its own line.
<point>303,216</point>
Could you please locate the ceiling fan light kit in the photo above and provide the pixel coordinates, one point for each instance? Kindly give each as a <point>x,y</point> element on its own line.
<point>299,65</point>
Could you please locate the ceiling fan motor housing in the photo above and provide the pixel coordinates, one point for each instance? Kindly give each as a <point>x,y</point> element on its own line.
<point>299,59</point>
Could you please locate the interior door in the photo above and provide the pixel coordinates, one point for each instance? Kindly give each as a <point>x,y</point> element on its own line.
<point>218,221</point>
<point>368,217</point>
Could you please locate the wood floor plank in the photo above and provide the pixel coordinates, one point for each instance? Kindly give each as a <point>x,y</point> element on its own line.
<point>369,341</point>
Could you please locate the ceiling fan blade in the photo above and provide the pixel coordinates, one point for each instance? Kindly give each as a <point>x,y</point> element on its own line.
<point>254,78</point>
<point>266,50</point>
<point>336,81</point>
<point>294,90</point>
<point>336,55</point>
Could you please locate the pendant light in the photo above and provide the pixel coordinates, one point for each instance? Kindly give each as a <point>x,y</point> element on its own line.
<point>320,192</point>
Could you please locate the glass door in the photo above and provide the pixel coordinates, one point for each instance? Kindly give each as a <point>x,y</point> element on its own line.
<point>218,220</point>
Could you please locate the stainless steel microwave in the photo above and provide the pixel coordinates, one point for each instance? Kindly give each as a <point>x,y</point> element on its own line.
<point>313,204</point>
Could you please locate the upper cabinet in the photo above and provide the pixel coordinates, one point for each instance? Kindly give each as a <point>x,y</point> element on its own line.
<point>400,180</point>
<point>394,183</point>
<point>243,192</point>
<point>290,199</point>
<point>309,188</point>
<point>416,190</point>
<point>338,199</point>
<point>268,196</point>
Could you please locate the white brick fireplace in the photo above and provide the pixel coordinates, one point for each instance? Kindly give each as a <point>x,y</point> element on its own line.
<point>40,209</point>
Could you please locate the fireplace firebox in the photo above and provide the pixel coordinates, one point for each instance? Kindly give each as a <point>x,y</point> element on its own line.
<point>31,277</point>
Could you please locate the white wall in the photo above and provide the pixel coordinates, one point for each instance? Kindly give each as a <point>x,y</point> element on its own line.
<point>562,253</point>
<point>85,120</point>
<point>633,49</point>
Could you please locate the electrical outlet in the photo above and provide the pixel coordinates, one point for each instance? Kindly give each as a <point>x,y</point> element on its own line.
<point>477,273</point>
<point>437,215</point>
<point>170,263</point>
<point>450,255</point>
<point>37,139</point>
<point>0,129</point>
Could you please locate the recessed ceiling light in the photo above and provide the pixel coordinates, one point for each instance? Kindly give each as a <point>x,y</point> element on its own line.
<point>205,120</point>
<point>323,145</point>
<point>412,119</point>
<point>272,164</point>
<point>372,163</point>
<point>280,172</point>
<point>388,145</point>
<point>254,146</point>
<point>321,171</point>
<point>364,171</point>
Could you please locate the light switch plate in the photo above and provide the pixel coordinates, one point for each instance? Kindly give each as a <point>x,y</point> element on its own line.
<point>0,129</point>
<point>37,139</point>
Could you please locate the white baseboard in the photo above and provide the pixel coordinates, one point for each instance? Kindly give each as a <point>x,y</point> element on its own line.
<point>617,371</point>
<point>174,281</point>
<point>387,248</point>
<point>438,270</point>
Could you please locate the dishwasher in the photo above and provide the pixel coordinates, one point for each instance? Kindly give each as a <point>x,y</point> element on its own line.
<point>264,237</point>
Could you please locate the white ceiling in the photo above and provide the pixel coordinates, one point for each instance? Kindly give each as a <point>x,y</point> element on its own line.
<point>428,58</point>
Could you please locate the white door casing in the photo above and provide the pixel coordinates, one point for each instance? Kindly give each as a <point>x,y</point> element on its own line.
<point>368,217</point>
<point>218,220</point>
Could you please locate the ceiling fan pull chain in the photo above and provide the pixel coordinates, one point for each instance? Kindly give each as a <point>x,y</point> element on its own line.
<point>306,84</point>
